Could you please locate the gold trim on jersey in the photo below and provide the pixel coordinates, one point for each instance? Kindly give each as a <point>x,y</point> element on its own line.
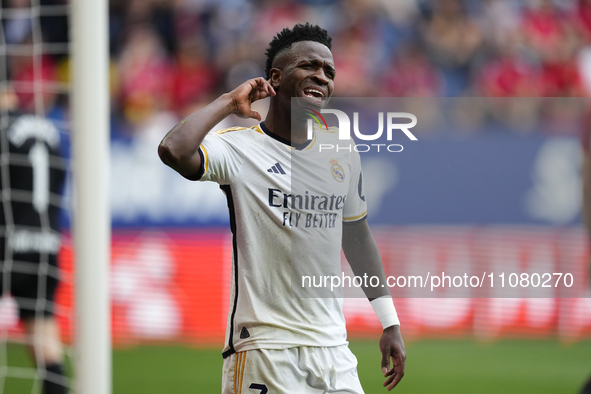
<point>235,128</point>
<point>311,143</point>
<point>355,217</point>
<point>242,372</point>
<point>239,364</point>
<point>257,128</point>
<point>206,164</point>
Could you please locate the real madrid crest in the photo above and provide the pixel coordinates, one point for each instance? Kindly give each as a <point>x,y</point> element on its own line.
<point>336,170</point>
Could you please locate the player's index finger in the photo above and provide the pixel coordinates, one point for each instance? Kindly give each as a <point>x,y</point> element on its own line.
<point>267,82</point>
<point>397,376</point>
<point>390,382</point>
<point>257,83</point>
<point>399,360</point>
<point>395,382</point>
<point>261,82</point>
<point>391,371</point>
<point>395,362</point>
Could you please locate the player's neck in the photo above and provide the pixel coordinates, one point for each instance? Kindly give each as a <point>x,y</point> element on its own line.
<point>280,124</point>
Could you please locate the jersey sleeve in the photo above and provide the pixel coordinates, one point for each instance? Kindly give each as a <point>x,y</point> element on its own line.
<point>355,208</point>
<point>221,157</point>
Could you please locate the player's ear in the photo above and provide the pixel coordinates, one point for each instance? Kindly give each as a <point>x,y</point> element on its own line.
<point>275,75</point>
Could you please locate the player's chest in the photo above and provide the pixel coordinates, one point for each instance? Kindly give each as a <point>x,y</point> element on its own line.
<point>288,173</point>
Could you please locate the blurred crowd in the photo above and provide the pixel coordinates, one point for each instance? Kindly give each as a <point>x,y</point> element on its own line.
<point>170,57</point>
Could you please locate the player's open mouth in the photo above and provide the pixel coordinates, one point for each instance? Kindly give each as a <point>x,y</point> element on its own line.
<point>311,92</point>
<point>314,96</point>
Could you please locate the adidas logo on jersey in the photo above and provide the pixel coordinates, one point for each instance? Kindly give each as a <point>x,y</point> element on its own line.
<point>244,333</point>
<point>277,169</point>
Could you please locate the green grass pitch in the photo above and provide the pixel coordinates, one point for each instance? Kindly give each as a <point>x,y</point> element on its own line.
<point>433,366</point>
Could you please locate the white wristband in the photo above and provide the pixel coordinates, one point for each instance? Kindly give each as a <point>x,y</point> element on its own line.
<point>386,312</point>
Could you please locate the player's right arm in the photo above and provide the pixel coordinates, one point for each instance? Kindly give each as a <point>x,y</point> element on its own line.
<point>179,149</point>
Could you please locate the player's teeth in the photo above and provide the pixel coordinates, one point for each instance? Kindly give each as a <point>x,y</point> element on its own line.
<point>310,92</point>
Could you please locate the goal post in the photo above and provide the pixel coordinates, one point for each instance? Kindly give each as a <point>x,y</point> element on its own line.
<point>91,224</point>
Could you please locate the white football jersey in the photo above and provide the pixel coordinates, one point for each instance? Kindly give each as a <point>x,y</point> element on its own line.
<point>287,208</point>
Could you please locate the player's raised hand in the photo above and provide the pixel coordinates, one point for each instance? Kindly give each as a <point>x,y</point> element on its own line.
<point>247,93</point>
<point>392,346</point>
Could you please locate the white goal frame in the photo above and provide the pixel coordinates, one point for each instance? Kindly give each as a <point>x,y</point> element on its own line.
<point>89,102</point>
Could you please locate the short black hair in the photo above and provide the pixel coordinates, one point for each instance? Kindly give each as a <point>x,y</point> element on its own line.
<point>286,37</point>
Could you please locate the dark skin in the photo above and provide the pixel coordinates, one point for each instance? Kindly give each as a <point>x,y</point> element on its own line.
<point>305,65</point>
<point>586,173</point>
<point>363,255</point>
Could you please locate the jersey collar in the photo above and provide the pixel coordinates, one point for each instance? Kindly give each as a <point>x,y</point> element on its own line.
<point>283,140</point>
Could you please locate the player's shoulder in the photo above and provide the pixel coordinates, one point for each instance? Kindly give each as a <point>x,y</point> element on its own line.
<point>346,150</point>
<point>238,130</point>
<point>325,135</point>
<point>229,129</point>
<point>25,127</point>
<point>330,135</point>
<point>236,133</point>
<point>237,138</point>
<point>331,130</point>
<point>327,132</point>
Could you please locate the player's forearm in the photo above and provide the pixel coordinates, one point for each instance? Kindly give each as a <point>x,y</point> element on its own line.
<point>587,190</point>
<point>363,255</point>
<point>179,148</point>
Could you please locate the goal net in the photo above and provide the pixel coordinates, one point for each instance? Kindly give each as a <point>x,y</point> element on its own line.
<point>34,86</point>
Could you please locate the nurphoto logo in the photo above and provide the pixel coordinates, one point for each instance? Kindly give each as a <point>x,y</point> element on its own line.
<point>392,124</point>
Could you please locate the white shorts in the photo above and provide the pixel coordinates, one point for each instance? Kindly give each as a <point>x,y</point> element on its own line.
<point>301,370</point>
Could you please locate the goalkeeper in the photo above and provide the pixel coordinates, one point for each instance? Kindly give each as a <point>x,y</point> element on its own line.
<point>32,175</point>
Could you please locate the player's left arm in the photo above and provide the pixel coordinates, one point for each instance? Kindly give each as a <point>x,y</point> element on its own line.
<point>362,253</point>
<point>586,176</point>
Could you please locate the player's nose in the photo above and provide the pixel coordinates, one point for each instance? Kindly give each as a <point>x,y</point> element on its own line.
<point>320,77</point>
